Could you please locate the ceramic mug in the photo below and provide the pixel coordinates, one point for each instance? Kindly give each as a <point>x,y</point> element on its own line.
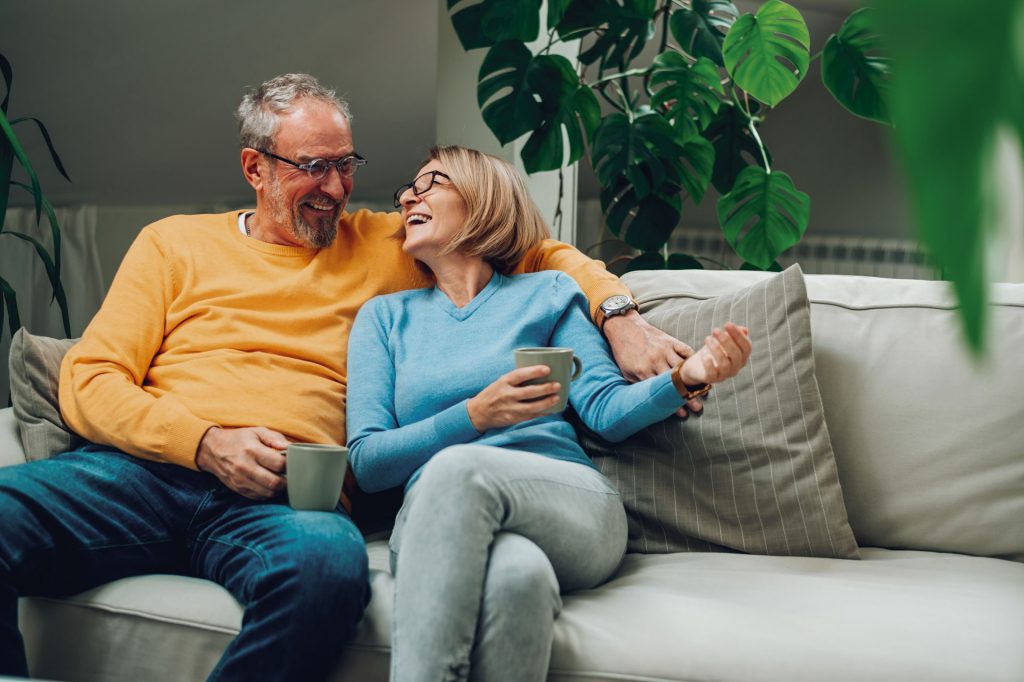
<point>565,367</point>
<point>315,474</point>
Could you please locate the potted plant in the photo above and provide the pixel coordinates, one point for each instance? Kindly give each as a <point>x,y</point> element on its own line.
<point>11,150</point>
<point>669,128</point>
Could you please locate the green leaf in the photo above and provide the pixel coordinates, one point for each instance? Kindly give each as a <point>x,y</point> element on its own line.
<point>565,103</point>
<point>52,273</point>
<point>684,261</point>
<point>645,223</point>
<point>767,53</point>
<point>55,235</point>
<point>701,30</point>
<point>643,151</point>
<point>853,71</point>
<point>556,11</point>
<point>691,95</point>
<point>948,106</point>
<point>695,166</point>
<point>626,30</point>
<point>49,143</point>
<point>733,144</point>
<point>763,215</point>
<point>8,73</point>
<point>11,141</point>
<point>11,301</point>
<point>491,21</point>
<point>516,112</point>
<point>650,260</point>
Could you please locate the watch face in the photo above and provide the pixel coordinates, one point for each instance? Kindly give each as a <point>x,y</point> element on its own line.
<point>615,303</point>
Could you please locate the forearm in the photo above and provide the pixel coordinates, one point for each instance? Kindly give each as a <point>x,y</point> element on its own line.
<point>383,457</point>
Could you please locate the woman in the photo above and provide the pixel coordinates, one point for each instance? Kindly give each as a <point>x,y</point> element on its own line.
<point>503,510</point>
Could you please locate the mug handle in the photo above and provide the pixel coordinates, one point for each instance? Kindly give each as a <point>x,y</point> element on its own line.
<point>578,367</point>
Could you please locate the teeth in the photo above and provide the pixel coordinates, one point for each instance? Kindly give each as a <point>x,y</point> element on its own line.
<point>320,206</point>
<point>417,219</point>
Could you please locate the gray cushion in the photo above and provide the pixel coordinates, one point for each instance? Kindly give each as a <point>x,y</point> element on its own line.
<point>35,371</point>
<point>755,473</point>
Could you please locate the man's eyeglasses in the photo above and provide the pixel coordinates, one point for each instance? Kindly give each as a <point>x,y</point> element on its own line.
<point>420,185</point>
<point>318,168</point>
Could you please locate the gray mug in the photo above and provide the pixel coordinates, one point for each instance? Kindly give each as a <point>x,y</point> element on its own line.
<point>315,474</point>
<point>565,367</point>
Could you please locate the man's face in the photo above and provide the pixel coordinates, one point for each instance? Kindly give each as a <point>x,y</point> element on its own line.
<point>300,209</point>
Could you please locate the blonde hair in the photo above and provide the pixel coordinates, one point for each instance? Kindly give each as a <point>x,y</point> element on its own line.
<point>502,222</point>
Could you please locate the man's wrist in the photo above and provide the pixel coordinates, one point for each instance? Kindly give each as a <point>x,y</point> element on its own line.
<point>618,305</point>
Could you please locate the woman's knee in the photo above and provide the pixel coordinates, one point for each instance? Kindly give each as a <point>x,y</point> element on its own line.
<point>520,576</point>
<point>457,465</point>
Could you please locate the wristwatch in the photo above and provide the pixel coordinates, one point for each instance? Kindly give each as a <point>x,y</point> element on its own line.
<point>612,306</point>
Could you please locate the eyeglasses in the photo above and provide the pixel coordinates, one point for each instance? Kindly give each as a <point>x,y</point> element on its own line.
<point>420,185</point>
<point>318,168</point>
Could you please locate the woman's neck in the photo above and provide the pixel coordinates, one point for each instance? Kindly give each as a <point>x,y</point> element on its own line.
<point>460,277</point>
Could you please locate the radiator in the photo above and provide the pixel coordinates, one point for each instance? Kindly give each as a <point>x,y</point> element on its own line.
<point>872,256</point>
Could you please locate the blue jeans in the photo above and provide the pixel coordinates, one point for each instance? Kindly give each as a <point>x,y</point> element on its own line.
<point>94,515</point>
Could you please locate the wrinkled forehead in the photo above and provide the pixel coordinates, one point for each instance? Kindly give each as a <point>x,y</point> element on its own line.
<point>313,127</point>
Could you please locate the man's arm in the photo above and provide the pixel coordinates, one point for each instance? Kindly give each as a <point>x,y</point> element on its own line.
<point>101,376</point>
<point>640,349</point>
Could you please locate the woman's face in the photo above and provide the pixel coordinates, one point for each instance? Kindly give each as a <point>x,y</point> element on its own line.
<point>433,217</point>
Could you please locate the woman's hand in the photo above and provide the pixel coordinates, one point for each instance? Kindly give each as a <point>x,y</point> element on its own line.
<point>507,401</point>
<point>722,356</point>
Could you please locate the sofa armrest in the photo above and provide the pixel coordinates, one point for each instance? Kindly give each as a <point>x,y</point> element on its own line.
<point>11,451</point>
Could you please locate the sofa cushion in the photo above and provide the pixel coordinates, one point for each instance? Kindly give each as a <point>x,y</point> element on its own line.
<point>755,473</point>
<point>35,370</point>
<point>893,616</point>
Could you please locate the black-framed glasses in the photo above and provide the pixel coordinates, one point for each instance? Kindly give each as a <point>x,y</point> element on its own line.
<point>420,185</point>
<point>318,168</point>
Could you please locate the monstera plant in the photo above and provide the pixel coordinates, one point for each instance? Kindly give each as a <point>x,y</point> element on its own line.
<point>675,124</point>
<point>11,150</point>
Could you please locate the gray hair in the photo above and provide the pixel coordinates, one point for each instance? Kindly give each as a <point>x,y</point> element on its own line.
<point>257,113</point>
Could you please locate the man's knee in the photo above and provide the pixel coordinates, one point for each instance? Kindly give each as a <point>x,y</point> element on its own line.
<point>326,562</point>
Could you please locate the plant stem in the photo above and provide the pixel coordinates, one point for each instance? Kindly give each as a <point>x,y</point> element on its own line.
<point>664,25</point>
<point>608,99</point>
<point>724,266</point>
<point>760,145</point>
<point>615,76</point>
<point>556,221</point>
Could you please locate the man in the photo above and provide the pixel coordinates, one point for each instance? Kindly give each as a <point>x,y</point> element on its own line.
<point>222,339</point>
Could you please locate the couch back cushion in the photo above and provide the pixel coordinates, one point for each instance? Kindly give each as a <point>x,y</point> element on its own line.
<point>929,442</point>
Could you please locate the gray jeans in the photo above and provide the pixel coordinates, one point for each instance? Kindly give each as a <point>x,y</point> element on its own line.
<point>484,544</point>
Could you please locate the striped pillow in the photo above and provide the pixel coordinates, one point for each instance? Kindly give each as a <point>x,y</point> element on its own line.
<point>755,473</point>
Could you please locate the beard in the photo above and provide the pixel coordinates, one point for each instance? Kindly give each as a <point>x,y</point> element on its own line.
<point>318,234</point>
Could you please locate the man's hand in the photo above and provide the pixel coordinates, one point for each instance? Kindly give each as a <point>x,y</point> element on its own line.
<point>249,460</point>
<point>642,350</point>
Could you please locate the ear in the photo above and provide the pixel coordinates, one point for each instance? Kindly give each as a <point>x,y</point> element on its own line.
<point>251,168</point>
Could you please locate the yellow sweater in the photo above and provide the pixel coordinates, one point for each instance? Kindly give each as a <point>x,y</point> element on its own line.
<point>205,327</point>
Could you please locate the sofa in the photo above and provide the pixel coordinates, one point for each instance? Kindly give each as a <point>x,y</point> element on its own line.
<point>928,445</point>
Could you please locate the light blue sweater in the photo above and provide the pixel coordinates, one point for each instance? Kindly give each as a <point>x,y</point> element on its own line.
<point>415,359</point>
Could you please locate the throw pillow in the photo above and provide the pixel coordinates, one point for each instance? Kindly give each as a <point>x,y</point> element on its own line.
<point>755,472</point>
<point>35,371</point>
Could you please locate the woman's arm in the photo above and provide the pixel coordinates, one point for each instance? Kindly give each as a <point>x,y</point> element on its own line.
<point>606,402</point>
<point>382,453</point>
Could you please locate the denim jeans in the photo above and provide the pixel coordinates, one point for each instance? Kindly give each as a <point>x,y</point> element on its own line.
<point>94,515</point>
<point>485,542</point>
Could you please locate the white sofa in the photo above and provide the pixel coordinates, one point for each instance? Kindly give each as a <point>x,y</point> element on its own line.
<point>930,451</point>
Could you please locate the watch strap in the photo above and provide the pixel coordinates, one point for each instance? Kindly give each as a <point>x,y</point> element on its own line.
<point>685,392</point>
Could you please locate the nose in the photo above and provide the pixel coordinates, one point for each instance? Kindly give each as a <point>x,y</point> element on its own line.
<point>336,185</point>
<point>408,198</point>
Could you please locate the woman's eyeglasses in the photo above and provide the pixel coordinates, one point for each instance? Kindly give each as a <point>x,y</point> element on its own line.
<point>420,185</point>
